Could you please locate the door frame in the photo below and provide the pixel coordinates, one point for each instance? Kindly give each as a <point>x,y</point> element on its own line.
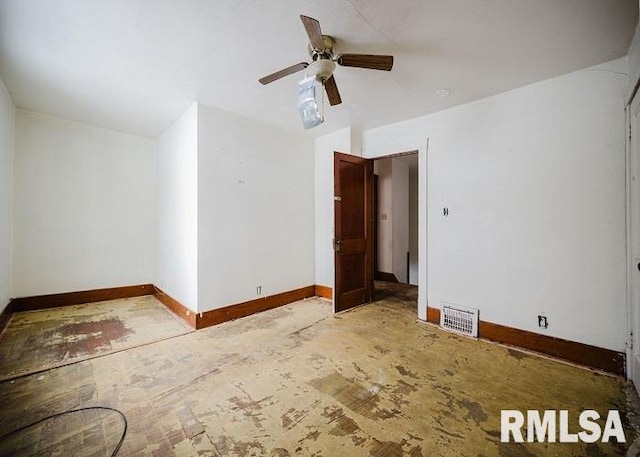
<point>423,226</point>
<point>632,178</point>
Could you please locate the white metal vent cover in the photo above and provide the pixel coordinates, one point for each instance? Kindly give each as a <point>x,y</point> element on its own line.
<point>459,320</point>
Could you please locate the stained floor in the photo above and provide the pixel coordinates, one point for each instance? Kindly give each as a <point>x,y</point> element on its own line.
<point>300,381</point>
<point>44,339</point>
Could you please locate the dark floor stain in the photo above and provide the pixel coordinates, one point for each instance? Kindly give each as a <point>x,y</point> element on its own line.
<point>288,375</point>
<point>399,401</point>
<point>248,448</point>
<point>381,350</point>
<point>344,426</point>
<point>386,449</point>
<point>83,338</point>
<point>314,435</point>
<point>514,450</point>
<point>415,451</point>
<point>354,395</point>
<point>227,446</point>
<point>592,450</point>
<point>397,292</point>
<point>516,354</point>
<point>448,396</point>
<point>359,369</point>
<point>350,393</point>
<point>250,408</point>
<point>332,413</point>
<point>303,334</point>
<point>404,372</point>
<point>449,372</point>
<point>279,452</point>
<point>448,433</point>
<point>400,391</point>
<point>475,410</point>
<point>286,420</point>
<point>358,440</point>
<point>444,389</point>
<point>292,417</point>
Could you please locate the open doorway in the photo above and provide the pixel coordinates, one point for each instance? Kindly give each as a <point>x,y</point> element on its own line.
<point>396,258</point>
<point>354,234</point>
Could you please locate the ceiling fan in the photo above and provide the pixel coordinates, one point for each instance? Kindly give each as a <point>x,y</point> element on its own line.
<point>323,61</point>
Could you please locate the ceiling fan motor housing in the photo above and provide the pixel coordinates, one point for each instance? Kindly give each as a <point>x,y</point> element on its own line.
<point>328,42</point>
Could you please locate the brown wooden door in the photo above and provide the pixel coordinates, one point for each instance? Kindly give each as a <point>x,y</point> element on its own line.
<point>353,245</point>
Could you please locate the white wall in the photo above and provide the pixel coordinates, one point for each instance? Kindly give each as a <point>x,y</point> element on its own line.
<point>633,240</point>
<point>7,120</point>
<point>255,210</point>
<point>413,224</point>
<point>84,204</point>
<point>393,216</point>
<point>633,218</point>
<point>400,213</point>
<point>325,146</point>
<point>384,244</point>
<point>176,250</point>
<point>534,182</point>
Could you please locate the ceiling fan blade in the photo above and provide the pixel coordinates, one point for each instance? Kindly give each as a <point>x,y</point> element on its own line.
<point>312,26</point>
<point>284,72</point>
<point>332,91</point>
<point>371,61</point>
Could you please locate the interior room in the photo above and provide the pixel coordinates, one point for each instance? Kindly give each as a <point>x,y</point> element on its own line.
<point>297,228</point>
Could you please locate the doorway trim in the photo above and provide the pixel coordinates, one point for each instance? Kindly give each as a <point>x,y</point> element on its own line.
<point>632,208</point>
<point>423,226</point>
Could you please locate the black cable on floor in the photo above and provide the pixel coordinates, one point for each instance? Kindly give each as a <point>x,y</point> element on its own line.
<point>124,420</point>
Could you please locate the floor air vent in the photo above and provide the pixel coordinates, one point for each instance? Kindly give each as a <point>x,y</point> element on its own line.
<point>459,320</point>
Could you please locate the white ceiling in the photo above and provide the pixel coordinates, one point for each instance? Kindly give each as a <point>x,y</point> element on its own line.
<point>136,65</point>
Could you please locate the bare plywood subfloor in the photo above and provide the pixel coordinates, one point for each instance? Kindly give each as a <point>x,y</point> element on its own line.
<point>45,339</point>
<point>300,381</point>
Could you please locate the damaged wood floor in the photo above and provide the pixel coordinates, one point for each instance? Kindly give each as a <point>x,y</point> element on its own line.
<point>300,381</point>
<point>39,340</point>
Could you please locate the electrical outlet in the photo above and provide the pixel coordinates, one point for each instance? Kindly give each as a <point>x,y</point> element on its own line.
<point>542,322</point>
<point>259,290</point>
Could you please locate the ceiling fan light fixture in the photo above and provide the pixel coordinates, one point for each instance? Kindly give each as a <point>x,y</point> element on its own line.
<point>321,69</point>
